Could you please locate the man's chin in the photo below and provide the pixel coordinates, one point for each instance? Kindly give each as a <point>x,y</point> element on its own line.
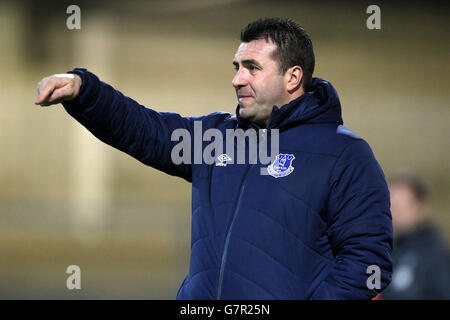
<point>245,112</point>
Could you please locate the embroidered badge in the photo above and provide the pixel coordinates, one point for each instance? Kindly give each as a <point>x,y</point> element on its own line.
<point>282,166</point>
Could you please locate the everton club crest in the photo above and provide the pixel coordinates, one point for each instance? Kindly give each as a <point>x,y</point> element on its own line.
<point>282,166</point>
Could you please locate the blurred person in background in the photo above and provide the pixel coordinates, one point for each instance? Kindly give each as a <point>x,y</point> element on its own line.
<point>420,255</point>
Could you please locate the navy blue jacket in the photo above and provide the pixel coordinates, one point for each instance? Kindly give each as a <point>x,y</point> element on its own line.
<point>311,234</point>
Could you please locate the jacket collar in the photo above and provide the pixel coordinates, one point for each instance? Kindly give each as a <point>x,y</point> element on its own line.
<point>320,104</point>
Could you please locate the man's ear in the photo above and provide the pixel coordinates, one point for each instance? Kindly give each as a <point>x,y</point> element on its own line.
<point>294,77</point>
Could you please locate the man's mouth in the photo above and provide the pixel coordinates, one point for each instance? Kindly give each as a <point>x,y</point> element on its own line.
<point>243,98</point>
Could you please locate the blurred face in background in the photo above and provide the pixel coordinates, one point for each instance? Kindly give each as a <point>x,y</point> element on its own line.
<point>258,82</point>
<point>407,211</point>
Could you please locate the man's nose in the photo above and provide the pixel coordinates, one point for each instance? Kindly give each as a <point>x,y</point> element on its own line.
<point>239,79</point>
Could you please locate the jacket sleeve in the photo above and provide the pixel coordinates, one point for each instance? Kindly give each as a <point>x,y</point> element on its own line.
<point>128,126</point>
<point>359,227</point>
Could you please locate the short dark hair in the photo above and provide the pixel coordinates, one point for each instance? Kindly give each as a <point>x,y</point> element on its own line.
<point>294,47</point>
<point>416,183</point>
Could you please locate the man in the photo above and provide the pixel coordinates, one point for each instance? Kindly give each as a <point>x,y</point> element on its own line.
<point>310,227</point>
<point>421,258</point>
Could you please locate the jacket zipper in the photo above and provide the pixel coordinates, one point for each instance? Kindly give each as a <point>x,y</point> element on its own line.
<point>227,240</point>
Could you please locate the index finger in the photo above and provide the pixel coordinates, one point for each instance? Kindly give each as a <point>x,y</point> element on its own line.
<point>48,89</point>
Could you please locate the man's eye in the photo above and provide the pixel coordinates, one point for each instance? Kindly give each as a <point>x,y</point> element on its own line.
<point>252,67</point>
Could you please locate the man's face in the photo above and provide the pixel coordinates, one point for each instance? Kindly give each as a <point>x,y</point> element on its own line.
<point>258,82</point>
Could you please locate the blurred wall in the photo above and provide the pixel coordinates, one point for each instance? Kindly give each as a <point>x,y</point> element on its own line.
<point>68,199</point>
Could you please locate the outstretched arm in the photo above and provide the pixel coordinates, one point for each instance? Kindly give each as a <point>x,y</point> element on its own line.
<point>117,119</point>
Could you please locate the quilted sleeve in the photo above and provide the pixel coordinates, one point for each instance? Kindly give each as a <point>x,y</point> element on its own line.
<point>128,126</point>
<point>359,227</point>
